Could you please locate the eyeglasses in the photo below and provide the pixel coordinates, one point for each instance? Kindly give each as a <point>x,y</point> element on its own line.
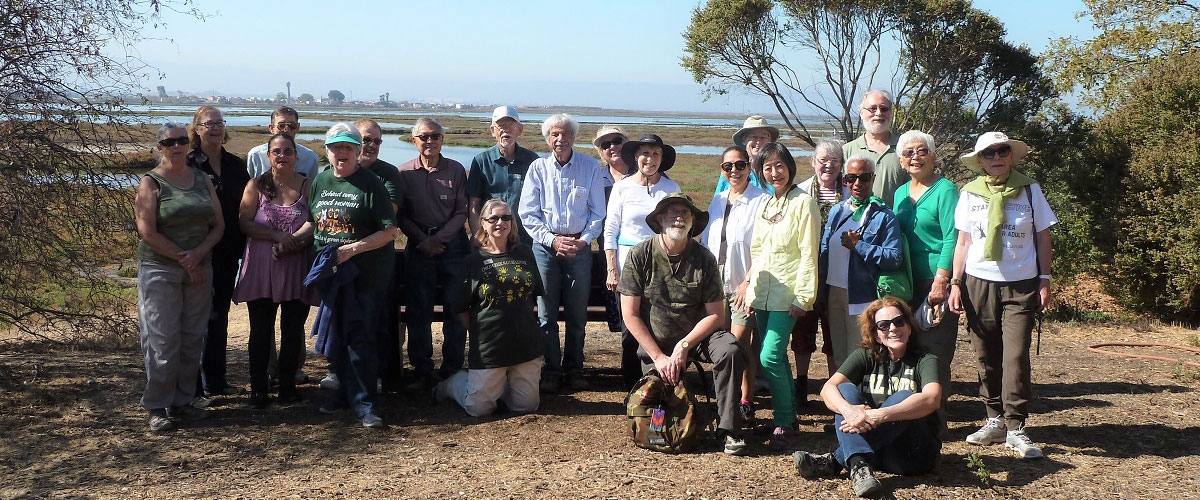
<point>497,218</point>
<point>828,161</point>
<point>684,214</point>
<point>287,125</point>
<point>881,109</point>
<point>853,178</point>
<point>887,324</point>
<point>739,165</point>
<point>282,151</point>
<point>909,153</point>
<point>371,140</point>
<point>178,141</point>
<point>990,153</point>
<point>213,124</point>
<point>615,141</point>
<point>429,137</point>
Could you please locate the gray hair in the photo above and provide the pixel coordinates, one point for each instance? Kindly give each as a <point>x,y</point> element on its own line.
<point>343,127</point>
<point>831,147</point>
<point>863,158</point>
<point>426,121</point>
<point>887,96</point>
<point>560,120</point>
<point>915,136</point>
<point>168,126</point>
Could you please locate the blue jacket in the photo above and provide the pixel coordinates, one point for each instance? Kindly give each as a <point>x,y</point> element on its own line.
<point>338,318</point>
<point>880,248</point>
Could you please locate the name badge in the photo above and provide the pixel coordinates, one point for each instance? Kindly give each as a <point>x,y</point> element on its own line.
<point>444,197</point>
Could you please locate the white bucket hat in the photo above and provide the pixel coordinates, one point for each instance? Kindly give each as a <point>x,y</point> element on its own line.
<point>752,123</point>
<point>989,139</point>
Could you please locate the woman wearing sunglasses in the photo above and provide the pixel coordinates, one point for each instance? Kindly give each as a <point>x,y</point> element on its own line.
<point>1001,280</point>
<point>496,296</point>
<point>179,220</point>
<point>728,235</point>
<point>884,398</point>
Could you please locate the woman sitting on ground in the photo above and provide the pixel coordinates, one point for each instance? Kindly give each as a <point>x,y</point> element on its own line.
<point>496,296</point>
<point>885,397</point>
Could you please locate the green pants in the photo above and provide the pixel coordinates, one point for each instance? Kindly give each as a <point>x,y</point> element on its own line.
<point>775,329</point>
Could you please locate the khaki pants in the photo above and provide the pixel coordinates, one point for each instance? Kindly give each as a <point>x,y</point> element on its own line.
<point>1000,323</point>
<point>844,333</point>
<point>477,390</point>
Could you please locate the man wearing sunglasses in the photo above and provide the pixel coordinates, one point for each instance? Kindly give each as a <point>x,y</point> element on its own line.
<point>284,120</point>
<point>432,215</point>
<point>879,144</point>
<point>500,171</point>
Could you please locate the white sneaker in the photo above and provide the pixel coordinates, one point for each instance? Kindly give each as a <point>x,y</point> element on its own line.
<point>992,432</point>
<point>1020,443</point>
<point>330,382</point>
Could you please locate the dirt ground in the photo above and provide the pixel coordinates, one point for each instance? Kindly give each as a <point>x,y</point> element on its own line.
<point>71,427</point>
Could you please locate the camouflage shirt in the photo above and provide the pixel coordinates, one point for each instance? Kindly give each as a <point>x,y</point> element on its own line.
<point>674,290</point>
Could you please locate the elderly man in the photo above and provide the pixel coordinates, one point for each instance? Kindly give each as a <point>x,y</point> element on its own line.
<point>562,207</point>
<point>673,304</point>
<point>754,134</point>
<point>432,216</point>
<point>286,121</point>
<point>500,171</point>
<point>879,144</point>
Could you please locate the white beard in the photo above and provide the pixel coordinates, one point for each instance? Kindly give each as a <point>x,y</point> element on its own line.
<point>676,233</point>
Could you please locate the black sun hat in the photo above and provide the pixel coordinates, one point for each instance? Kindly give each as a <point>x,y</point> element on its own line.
<point>630,148</point>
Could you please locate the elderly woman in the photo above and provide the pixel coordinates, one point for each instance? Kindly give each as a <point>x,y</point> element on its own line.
<point>496,295</point>
<point>228,175</point>
<point>883,397</point>
<point>783,279</point>
<point>827,188</point>
<point>351,216</point>
<point>608,141</point>
<point>179,220</point>
<point>728,236</point>
<point>925,208</point>
<point>861,238</point>
<point>274,208</point>
<point>1001,280</point>
<point>632,199</point>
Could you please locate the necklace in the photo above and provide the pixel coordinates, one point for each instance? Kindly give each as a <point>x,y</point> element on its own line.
<point>782,208</point>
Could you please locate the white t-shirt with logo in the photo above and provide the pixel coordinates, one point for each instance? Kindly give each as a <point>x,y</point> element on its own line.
<point>1022,222</point>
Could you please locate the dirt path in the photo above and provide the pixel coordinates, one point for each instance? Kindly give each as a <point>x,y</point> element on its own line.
<point>70,427</point>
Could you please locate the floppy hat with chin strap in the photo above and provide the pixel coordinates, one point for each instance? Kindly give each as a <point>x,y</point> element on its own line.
<point>629,149</point>
<point>989,139</point>
<point>700,217</point>
<point>752,123</point>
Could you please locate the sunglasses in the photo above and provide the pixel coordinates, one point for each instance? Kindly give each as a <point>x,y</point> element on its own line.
<point>990,153</point>
<point>178,141</point>
<point>616,141</point>
<point>282,151</point>
<point>881,109</point>
<point>909,153</point>
<point>497,218</point>
<point>213,124</point>
<point>853,178</point>
<point>429,137</point>
<point>287,125</point>
<point>739,165</point>
<point>372,140</point>
<point>887,324</point>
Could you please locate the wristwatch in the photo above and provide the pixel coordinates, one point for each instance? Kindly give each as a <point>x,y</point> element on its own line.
<point>955,281</point>
<point>684,344</point>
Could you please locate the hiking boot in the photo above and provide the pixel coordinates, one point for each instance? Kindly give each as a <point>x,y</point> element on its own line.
<point>811,466</point>
<point>746,411</point>
<point>734,444</point>
<point>330,382</point>
<point>421,384</point>
<point>187,413</point>
<point>259,400</point>
<point>159,421</point>
<point>288,397</point>
<point>372,421</point>
<point>781,439</point>
<point>1020,443</point>
<point>575,382</point>
<point>992,432</point>
<point>551,384</point>
<point>862,478</point>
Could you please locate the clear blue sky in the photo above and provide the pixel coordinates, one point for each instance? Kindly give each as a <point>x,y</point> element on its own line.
<point>615,54</point>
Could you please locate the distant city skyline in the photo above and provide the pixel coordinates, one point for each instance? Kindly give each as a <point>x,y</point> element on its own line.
<point>623,54</point>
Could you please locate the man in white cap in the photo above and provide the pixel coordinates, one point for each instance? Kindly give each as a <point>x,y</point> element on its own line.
<point>754,134</point>
<point>500,171</point>
<point>879,143</point>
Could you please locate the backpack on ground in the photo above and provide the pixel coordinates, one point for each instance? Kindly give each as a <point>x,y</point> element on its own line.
<point>662,418</point>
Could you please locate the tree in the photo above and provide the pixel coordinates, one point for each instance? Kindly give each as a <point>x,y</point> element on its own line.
<point>337,96</point>
<point>956,75</point>
<point>162,92</point>
<point>1133,34</point>
<point>62,127</point>
<point>281,97</point>
<point>307,98</point>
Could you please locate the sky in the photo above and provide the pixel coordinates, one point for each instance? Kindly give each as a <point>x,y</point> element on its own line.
<point>621,54</point>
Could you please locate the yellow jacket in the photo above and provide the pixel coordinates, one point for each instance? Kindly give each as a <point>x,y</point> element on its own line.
<point>783,254</point>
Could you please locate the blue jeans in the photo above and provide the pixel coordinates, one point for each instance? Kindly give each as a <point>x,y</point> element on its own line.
<point>357,364</point>
<point>568,281</point>
<point>423,274</point>
<point>902,447</point>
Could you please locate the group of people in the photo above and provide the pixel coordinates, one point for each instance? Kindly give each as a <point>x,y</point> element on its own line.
<point>771,262</point>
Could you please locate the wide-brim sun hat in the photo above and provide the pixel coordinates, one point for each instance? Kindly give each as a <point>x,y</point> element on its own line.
<point>699,217</point>
<point>629,149</point>
<point>343,136</point>
<point>753,123</point>
<point>606,131</point>
<point>989,139</point>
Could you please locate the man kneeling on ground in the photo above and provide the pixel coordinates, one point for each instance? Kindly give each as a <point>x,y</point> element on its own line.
<point>672,301</point>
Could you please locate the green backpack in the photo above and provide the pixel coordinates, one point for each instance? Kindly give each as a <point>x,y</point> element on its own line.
<point>896,282</point>
<point>662,418</point>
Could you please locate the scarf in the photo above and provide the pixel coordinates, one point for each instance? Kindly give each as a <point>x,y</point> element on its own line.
<point>994,191</point>
<point>861,206</point>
